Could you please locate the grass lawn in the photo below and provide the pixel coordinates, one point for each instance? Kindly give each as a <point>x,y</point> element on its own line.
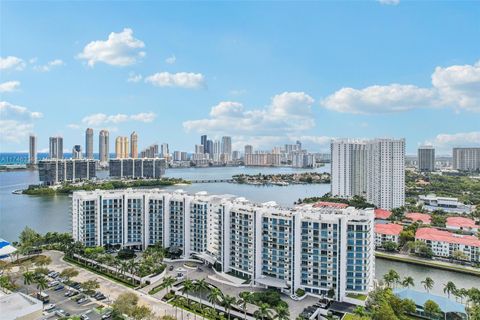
<point>357,296</point>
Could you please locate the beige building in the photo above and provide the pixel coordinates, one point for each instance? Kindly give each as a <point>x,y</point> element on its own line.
<point>121,147</point>
<point>19,306</point>
<point>134,145</point>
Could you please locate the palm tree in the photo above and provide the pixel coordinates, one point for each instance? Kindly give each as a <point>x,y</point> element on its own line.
<point>228,301</point>
<point>28,278</point>
<point>428,283</point>
<point>245,297</point>
<point>200,286</point>
<point>213,296</point>
<point>187,288</point>
<point>392,277</point>
<point>408,282</point>
<point>168,282</point>
<point>449,288</point>
<point>123,268</point>
<point>282,312</point>
<point>42,284</point>
<point>262,312</point>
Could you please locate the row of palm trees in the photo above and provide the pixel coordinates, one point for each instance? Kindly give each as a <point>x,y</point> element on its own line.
<point>392,278</point>
<point>30,277</point>
<point>217,298</point>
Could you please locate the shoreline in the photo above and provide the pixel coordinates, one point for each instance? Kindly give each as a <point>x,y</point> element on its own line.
<point>428,263</point>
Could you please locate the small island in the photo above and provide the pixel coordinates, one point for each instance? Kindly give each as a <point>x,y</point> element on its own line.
<point>68,188</point>
<point>283,179</point>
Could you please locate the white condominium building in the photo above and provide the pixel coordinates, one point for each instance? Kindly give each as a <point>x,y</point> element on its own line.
<point>466,159</point>
<point>374,169</point>
<point>312,248</point>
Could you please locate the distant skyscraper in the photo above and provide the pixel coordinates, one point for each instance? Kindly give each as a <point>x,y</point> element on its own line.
<point>349,171</point>
<point>466,159</point>
<point>103,146</point>
<point>56,148</point>
<point>374,169</point>
<point>227,145</point>
<point>426,159</point>
<point>121,147</point>
<point>203,142</point>
<point>164,150</point>
<point>248,149</point>
<point>77,152</point>
<point>32,151</point>
<point>209,147</point>
<point>199,149</point>
<point>217,147</point>
<point>89,143</point>
<point>134,145</point>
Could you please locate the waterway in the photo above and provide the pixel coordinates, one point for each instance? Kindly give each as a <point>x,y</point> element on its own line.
<point>52,213</point>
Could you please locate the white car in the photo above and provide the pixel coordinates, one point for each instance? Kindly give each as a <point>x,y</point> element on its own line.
<point>49,307</point>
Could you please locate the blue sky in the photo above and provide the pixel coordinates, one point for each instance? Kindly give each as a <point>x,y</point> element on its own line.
<point>266,73</point>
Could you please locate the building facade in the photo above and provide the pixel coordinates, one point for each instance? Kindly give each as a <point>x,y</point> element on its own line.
<point>134,145</point>
<point>387,232</point>
<point>32,150</point>
<point>53,171</point>
<point>143,168</point>
<point>77,152</point>
<point>104,146</point>
<point>466,159</point>
<point>315,249</point>
<point>426,159</point>
<point>121,148</point>
<point>374,169</point>
<point>89,143</point>
<point>55,148</point>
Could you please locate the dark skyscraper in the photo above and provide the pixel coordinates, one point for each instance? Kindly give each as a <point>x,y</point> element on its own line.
<point>203,141</point>
<point>89,143</point>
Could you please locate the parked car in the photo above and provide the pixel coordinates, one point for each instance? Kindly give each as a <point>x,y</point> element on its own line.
<point>107,315</point>
<point>100,297</point>
<point>84,317</point>
<point>53,283</point>
<point>63,313</point>
<point>49,307</point>
<point>82,300</point>
<point>58,287</point>
<point>170,268</point>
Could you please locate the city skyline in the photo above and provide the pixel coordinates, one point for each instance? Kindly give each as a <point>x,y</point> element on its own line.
<point>124,75</point>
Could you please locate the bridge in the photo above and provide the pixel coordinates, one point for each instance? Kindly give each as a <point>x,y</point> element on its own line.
<point>212,180</point>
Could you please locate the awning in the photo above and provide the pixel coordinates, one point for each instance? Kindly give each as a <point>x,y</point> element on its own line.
<point>271,282</point>
<point>206,257</point>
<point>6,248</point>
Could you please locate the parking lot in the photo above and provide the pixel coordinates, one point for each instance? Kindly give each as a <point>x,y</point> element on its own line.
<point>68,306</point>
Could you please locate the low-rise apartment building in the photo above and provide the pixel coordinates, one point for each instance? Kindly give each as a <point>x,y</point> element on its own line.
<point>385,232</point>
<point>445,243</point>
<point>313,248</point>
<point>461,224</point>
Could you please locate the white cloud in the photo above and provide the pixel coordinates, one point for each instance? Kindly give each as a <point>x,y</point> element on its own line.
<point>74,126</point>
<point>11,62</point>
<point>389,2</point>
<point>47,67</point>
<point>181,79</point>
<point>459,86</point>
<point>237,92</point>
<point>120,49</point>
<point>171,60</point>
<point>132,77</point>
<point>16,122</point>
<point>9,86</point>
<point>10,110</point>
<point>456,86</point>
<point>444,142</point>
<point>318,140</point>
<point>289,112</point>
<point>102,118</point>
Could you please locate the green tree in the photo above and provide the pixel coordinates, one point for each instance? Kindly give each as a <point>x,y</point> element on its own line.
<point>42,284</point>
<point>245,298</point>
<point>263,312</point>
<point>141,312</point>
<point>90,285</point>
<point>449,288</point>
<point>228,302</point>
<point>125,303</point>
<point>431,308</point>
<point>168,282</point>
<point>391,278</point>
<point>428,283</point>
<point>213,296</point>
<point>28,279</point>
<point>187,288</point>
<point>69,273</point>
<point>459,255</point>
<point>408,282</point>
<point>282,313</point>
<point>390,246</point>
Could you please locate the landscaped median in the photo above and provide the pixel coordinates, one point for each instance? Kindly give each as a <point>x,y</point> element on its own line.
<point>428,263</point>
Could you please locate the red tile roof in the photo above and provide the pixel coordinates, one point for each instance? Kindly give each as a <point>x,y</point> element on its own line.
<point>445,236</point>
<point>323,204</point>
<point>382,214</point>
<point>461,222</point>
<point>416,216</point>
<point>392,229</point>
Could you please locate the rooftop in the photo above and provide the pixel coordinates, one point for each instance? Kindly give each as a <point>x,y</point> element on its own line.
<point>388,228</point>
<point>446,236</point>
<point>416,216</point>
<point>382,214</point>
<point>16,305</point>
<point>420,298</point>
<point>325,204</point>
<point>461,222</point>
